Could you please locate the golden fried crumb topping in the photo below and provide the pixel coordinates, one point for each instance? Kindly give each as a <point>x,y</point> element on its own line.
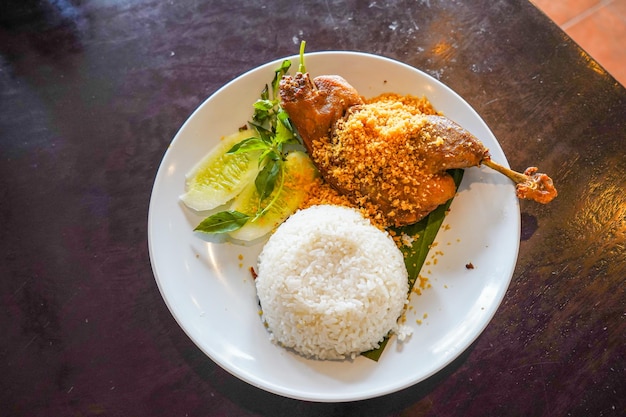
<point>375,148</point>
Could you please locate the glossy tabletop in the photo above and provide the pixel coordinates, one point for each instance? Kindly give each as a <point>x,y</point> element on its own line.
<point>92,93</point>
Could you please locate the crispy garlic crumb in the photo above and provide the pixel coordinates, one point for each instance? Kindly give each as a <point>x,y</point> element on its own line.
<point>407,240</point>
<point>368,151</point>
<point>421,283</point>
<point>361,164</point>
<point>320,192</point>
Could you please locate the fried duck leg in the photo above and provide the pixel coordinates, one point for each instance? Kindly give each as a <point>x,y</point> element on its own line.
<point>314,106</point>
<point>531,185</point>
<point>385,155</point>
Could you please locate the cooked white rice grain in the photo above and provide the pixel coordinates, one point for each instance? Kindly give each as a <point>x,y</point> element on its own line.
<point>330,284</point>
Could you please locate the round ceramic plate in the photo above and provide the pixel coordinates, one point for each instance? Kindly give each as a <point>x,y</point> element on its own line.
<point>209,289</point>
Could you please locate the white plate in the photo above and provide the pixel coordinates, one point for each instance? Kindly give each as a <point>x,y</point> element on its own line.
<point>209,289</point>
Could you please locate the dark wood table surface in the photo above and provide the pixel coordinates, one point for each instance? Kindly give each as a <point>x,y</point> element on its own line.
<point>91,94</point>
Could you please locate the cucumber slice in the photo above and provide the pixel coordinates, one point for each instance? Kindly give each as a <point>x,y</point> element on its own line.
<point>299,174</point>
<point>219,177</point>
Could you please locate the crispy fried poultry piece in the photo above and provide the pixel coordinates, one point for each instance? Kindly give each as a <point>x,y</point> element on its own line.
<point>315,105</point>
<point>389,154</point>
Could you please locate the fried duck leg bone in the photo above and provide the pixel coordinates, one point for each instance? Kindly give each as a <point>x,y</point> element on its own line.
<point>405,180</point>
<point>531,185</point>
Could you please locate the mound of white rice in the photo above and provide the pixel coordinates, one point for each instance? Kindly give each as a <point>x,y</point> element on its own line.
<point>330,284</point>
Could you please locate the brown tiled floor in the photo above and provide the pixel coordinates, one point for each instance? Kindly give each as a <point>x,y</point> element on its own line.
<point>599,27</point>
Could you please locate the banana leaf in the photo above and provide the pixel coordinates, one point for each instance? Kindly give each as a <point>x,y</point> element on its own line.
<point>415,255</point>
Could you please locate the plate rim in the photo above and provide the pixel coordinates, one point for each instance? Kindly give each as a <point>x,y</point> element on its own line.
<point>258,382</point>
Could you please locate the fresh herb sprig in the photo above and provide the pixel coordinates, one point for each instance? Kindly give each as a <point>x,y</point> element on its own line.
<point>301,66</point>
<point>274,132</point>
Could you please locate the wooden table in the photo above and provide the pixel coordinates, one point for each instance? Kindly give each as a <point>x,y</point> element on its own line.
<point>92,93</point>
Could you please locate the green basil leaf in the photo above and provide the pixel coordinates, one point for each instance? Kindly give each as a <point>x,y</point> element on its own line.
<point>222,222</point>
<point>266,178</point>
<point>264,104</point>
<point>265,93</point>
<point>283,135</point>
<point>263,108</point>
<point>283,118</point>
<point>264,133</point>
<point>247,145</point>
<point>278,74</point>
<point>261,117</point>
